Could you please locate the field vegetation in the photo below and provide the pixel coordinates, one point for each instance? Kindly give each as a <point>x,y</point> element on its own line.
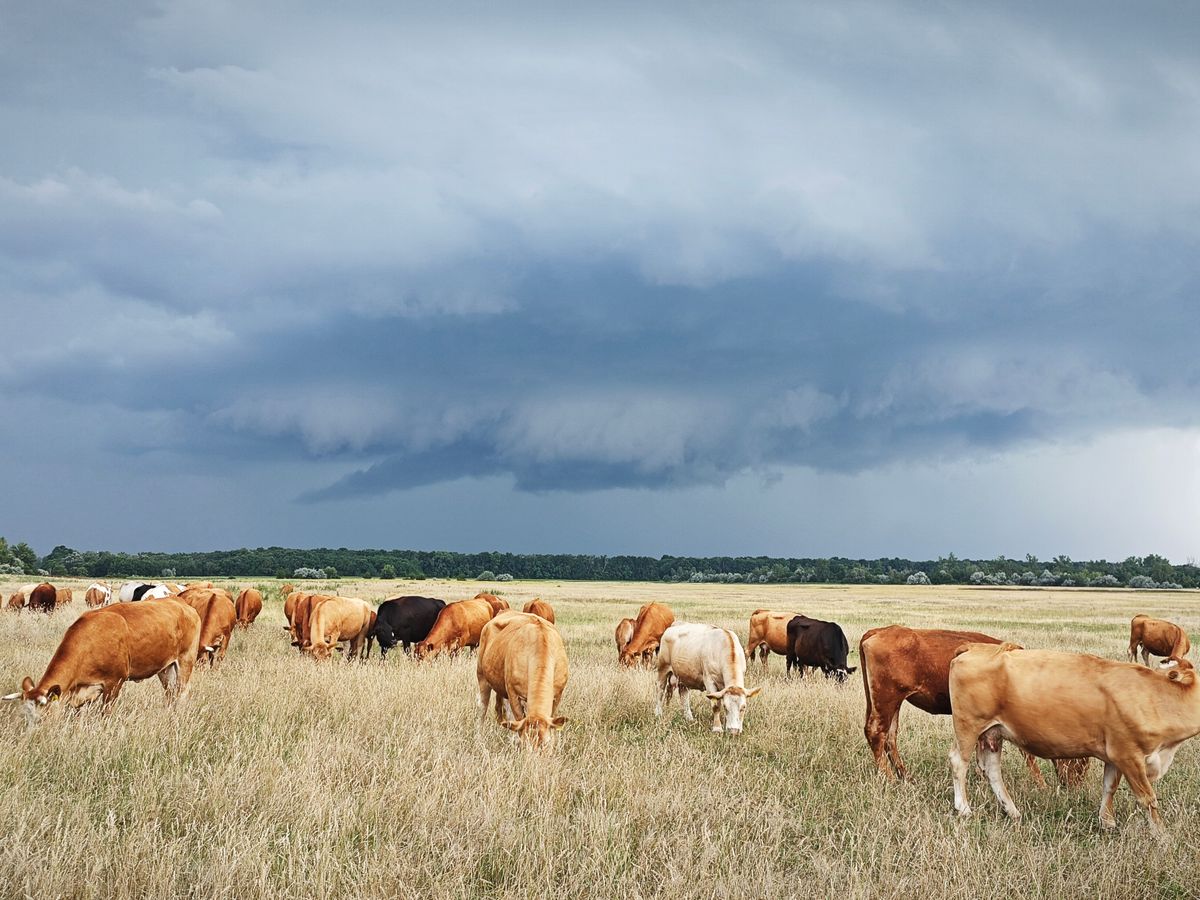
<point>282,777</point>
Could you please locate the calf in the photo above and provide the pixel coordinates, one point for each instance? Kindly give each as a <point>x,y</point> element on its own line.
<point>768,634</point>
<point>340,620</point>
<point>106,647</point>
<point>457,626</point>
<point>652,620</point>
<point>704,657</point>
<point>522,659</point>
<point>822,645</point>
<point>248,606</point>
<point>540,607</point>
<point>405,621</point>
<point>1056,704</point>
<point>624,635</point>
<point>1158,637</point>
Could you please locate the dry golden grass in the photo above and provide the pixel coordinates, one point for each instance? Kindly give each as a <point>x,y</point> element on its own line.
<point>285,778</point>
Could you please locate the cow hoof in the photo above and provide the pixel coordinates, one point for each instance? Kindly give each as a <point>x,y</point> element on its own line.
<point>717,729</point>
<point>1108,823</point>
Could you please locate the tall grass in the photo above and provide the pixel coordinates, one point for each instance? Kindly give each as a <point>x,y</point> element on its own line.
<point>282,777</point>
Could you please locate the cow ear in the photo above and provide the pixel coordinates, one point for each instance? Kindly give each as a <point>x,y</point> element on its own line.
<point>717,696</point>
<point>27,685</point>
<point>513,726</point>
<point>558,721</point>
<point>753,692</point>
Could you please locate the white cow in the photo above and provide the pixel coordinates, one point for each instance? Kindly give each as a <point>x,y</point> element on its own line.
<point>707,658</point>
<point>129,591</point>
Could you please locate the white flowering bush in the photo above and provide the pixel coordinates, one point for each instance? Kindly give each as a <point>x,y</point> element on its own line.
<point>917,578</point>
<point>306,572</point>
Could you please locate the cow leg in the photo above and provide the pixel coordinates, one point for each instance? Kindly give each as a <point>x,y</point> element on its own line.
<point>966,734</point>
<point>1035,771</point>
<point>170,677</point>
<point>989,747</point>
<point>1133,650</point>
<point>685,701</point>
<point>664,688</point>
<point>1071,772</point>
<point>1145,656</point>
<point>485,699</point>
<point>880,730</point>
<point>1112,778</point>
<point>108,696</point>
<point>1134,771</point>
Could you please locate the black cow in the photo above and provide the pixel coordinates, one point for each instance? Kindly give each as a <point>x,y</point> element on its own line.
<point>811,642</point>
<point>403,620</point>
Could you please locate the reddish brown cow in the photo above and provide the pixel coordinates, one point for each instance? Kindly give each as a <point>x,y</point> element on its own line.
<point>302,619</point>
<point>1158,637</point>
<point>217,618</point>
<point>913,664</point>
<point>43,598</point>
<point>106,647</point>
<point>248,606</point>
<point>624,635</point>
<point>652,620</point>
<point>63,597</point>
<point>497,605</point>
<point>540,607</point>
<point>457,626</point>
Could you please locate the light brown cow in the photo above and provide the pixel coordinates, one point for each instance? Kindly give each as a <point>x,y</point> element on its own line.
<point>913,664</point>
<point>196,584</point>
<point>98,594</point>
<point>498,605</point>
<point>540,607</point>
<point>522,659</point>
<point>457,626</point>
<point>652,620</point>
<point>217,618</point>
<point>16,601</point>
<point>286,589</point>
<point>340,620</point>
<point>1070,705</point>
<point>248,606</point>
<point>62,597</point>
<point>302,618</point>
<point>106,647</point>
<point>1158,637</point>
<point>768,634</point>
<point>624,635</point>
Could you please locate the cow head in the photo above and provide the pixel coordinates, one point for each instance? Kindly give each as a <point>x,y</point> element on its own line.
<point>34,700</point>
<point>840,675</point>
<point>536,731</point>
<point>320,650</point>
<point>422,650</point>
<point>732,702</point>
<point>386,637</point>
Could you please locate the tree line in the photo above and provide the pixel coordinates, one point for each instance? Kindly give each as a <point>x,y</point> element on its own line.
<point>283,562</point>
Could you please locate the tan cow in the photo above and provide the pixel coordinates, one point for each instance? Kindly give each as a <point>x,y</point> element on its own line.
<point>457,626</point>
<point>498,605</point>
<point>540,607</point>
<point>624,634</point>
<point>1070,705</point>
<point>1158,637</point>
<point>302,618</point>
<point>340,620</point>
<point>652,620</point>
<point>98,594</point>
<point>522,659</point>
<point>692,656</point>
<point>286,589</point>
<point>16,601</point>
<point>913,664</point>
<point>768,634</point>
<point>248,606</point>
<point>62,597</point>
<point>217,618</point>
<point>104,648</point>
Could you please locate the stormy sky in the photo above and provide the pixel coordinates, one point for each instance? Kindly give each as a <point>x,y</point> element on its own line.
<point>853,278</point>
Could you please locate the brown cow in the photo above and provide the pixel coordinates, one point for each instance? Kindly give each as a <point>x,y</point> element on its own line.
<point>248,606</point>
<point>16,601</point>
<point>286,589</point>
<point>913,664</point>
<point>1070,705</point>
<point>652,620</point>
<point>540,607</point>
<point>106,647</point>
<point>289,605</point>
<point>43,598</point>
<point>62,597</point>
<point>624,635</point>
<point>457,626</point>
<point>1158,637</point>
<point>522,659</point>
<point>302,618</point>
<point>217,617</point>
<point>768,634</point>
<point>340,620</point>
<point>196,584</point>
<point>498,605</point>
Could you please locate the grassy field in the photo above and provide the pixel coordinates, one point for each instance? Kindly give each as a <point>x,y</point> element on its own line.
<point>282,777</point>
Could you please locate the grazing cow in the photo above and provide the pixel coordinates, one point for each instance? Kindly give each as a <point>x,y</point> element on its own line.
<point>540,607</point>
<point>43,598</point>
<point>217,618</point>
<point>913,664</point>
<point>340,620</point>
<point>63,597</point>
<point>497,605</point>
<point>652,620</point>
<point>822,645</point>
<point>403,620</point>
<point>289,604</point>
<point>286,589</point>
<point>98,594</point>
<point>16,601</point>
<point>457,626</point>
<point>302,618</point>
<point>1158,637</point>
<point>624,635</point>
<point>522,659</point>
<point>248,606</point>
<point>1070,705</point>
<point>143,590</point>
<point>104,648</point>
<point>707,658</point>
<point>768,634</point>
<point>192,585</point>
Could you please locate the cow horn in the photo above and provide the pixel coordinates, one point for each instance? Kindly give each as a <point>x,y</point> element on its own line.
<point>16,696</point>
<point>210,649</point>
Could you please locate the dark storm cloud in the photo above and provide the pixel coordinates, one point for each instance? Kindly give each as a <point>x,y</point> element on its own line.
<point>596,249</point>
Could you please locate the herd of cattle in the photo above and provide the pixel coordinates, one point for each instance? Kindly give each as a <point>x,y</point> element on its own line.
<point>1067,707</point>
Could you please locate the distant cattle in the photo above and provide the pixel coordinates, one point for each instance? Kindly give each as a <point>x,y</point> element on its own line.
<point>1057,704</point>
<point>16,601</point>
<point>63,597</point>
<point>132,591</point>
<point>248,605</point>
<point>1158,637</point>
<point>405,621</point>
<point>217,618</point>
<point>540,607</point>
<point>652,620</point>
<point>43,598</point>
<point>522,659</point>
<point>285,589</point>
<point>818,644</point>
<point>198,584</point>
<point>457,626</point>
<point>768,634</point>
<point>913,664</point>
<point>497,605</point>
<point>98,594</point>
<point>623,635</point>
<point>340,620</point>
<point>703,657</point>
<point>104,648</point>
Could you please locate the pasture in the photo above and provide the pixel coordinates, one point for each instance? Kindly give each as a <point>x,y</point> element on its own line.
<point>282,777</point>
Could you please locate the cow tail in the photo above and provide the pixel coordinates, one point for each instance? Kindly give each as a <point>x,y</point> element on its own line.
<point>862,665</point>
